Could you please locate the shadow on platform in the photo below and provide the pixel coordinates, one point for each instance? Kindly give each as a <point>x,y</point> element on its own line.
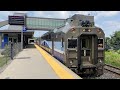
<point>23,58</point>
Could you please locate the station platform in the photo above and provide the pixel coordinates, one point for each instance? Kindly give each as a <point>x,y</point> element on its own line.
<point>35,63</point>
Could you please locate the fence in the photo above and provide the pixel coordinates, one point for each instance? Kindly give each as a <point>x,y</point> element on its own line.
<point>9,52</point>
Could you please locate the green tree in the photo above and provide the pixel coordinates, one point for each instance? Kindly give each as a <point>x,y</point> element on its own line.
<point>107,43</point>
<point>115,40</point>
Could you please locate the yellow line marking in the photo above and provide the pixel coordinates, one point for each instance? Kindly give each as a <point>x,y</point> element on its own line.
<point>60,71</point>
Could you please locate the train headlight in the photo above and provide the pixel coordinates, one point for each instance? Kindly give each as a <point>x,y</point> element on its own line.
<point>83,30</point>
<point>89,30</point>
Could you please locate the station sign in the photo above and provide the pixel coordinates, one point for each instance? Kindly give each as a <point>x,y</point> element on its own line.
<point>16,20</point>
<point>24,29</point>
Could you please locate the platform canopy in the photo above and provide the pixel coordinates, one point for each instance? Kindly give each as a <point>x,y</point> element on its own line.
<point>3,23</point>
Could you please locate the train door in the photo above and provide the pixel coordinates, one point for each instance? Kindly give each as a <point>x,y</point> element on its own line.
<point>88,50</point>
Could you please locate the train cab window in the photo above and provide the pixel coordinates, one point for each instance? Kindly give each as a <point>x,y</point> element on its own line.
<point>100,43</point>
<point>85,43</point>
<point>72,43</point>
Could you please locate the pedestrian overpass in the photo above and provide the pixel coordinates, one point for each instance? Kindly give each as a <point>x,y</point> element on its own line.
<point>37,23</point>
<point>31,24</point>
<point>34,23</point>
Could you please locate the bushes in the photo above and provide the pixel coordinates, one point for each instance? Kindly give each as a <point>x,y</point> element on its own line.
<point>113,58</point>
<point>118,51</point>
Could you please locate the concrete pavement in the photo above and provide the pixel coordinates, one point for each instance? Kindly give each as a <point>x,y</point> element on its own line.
<point>29,64</point>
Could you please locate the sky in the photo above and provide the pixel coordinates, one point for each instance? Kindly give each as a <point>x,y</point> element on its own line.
<point>109,21</point>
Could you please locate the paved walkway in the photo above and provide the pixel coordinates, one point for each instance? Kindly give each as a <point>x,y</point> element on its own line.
<point>29,64</point>
<point>33,63</point>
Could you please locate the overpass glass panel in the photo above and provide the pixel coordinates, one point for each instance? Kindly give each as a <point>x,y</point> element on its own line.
<point>44,23</point>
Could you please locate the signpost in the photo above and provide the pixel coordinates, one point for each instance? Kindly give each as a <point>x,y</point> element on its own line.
<point>23,30</point>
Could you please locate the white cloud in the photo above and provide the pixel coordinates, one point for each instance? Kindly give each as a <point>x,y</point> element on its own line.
<point>4,15</point>
<point>112,24</point>
<point>84,12</point>
<point>63,14</point>
<point>37,13</point>
<point>98,25</point>
<point>50,14</point>
<point>20,11</point>
<point>106,14</point>
<point>98,14</point>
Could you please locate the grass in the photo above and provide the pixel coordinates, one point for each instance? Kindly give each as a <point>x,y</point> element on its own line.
<point>112,58</point>
<point>2,61</point>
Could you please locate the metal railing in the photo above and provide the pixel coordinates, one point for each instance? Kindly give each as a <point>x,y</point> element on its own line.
<point>15,48</point>
<point>9,52</point>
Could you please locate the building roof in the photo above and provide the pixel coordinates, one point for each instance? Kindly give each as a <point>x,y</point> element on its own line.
<point>15,27</point>
<point>14,31</point>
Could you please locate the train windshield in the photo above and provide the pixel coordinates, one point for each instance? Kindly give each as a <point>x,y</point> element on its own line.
<point>72,43</point>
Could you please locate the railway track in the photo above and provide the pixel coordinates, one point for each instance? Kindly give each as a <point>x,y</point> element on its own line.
<point>112,69</point>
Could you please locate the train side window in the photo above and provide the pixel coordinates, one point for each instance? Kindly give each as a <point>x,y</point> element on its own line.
<point>100,43</point>
<point>72,43</point>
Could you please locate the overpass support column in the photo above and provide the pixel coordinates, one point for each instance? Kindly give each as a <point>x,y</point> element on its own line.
<point>52,37</point>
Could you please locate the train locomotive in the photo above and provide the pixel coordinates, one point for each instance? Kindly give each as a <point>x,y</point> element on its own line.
<point>82,43</point>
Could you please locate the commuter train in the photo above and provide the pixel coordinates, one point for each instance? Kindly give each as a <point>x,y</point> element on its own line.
<point>82,43</point>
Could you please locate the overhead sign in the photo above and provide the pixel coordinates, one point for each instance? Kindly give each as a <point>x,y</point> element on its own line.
<point>16,20</point>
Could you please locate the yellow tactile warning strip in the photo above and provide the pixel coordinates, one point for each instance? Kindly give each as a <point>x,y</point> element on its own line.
<point>60,71</point>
